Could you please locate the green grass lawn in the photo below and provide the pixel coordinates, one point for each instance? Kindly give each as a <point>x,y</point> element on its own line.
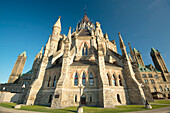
<point>124,108</point>
<point>161,101</point>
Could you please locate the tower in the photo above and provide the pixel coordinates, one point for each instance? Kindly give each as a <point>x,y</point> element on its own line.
<point>55,36</point>
<point>18,67</point>
<point>138,57</point>
<point>159,62</point>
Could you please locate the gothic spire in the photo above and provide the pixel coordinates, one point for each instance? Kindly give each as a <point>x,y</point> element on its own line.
<point>58,23</point>
<point>122,45</point>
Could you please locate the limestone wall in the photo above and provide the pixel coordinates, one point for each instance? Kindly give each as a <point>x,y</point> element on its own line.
<point>9,97</point>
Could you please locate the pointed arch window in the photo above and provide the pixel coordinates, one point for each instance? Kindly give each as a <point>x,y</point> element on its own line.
<point>114,80</point>
<point>84,79</point>
<point>154,88</point>
<point>108,79</point>
<point>48,85</point>
<point>54,82</point>
<point>76,80</point>
<point>85,49</point>
<point>91,80</point>
<point>161,88</point>
<point>120,81</point>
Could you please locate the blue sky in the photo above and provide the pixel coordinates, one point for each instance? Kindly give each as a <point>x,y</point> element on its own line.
<point>26,24</point>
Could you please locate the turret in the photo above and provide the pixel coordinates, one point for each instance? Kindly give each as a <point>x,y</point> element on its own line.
<point>138,57</point>
<point>123,47</point>
<point>37,59</point>
<point>47,47</point>
<point>57,28</point>
<point>159,62</point>
<point>18,67</point>
<point>55,36</point>
<point>69,34</point>
<point>132,53</point>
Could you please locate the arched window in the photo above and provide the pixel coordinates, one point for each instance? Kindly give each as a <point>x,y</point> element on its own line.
<point>49,81</point>
<point>108,79</point>
<point>161,88</point>
<point>91,81</point>
<point>75,98</point>
<point>85,49</point>
<point>83,99</point>
<point>120,81</point>
<point>54,82</point>
<point>84,79</point>
<point>154,88</point>
<point>118,98</point>
<point>76,80</point>
<point>50,99</point>
<point>114,80</point>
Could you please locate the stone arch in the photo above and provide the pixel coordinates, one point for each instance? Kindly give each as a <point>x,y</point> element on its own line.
<point>76,78</point>
<point>120,80</point>
<point>84,49</point>
<point>84,78</point>
<point>114,79</point>
<point>109,78</point>
<point>154,88</point>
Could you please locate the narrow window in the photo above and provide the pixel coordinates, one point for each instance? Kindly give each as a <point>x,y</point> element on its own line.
<point>75,98</point>
<point>50,99</point>
<point>118,98</point>
<point>49,81</point>
<point>114,81</point>
<point>154,88</point>
<point>76,80</point>
<point>120,81</point>
<point>90,98</point>
<point>54,82</point>
<point>84,79</point>
<point>161,88</point>
<point>85,50</point>
<point>108,79</point>
<point>91,81</point>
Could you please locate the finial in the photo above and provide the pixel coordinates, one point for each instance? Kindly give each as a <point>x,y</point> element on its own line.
<point>59,17</point>
<point>128,43</point>
<point>118,33</point>
<point>85,10</point>
<point>49,35</point>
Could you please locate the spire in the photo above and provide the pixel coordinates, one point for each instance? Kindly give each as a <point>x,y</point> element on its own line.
<point>153,50</point>
<point>69,34</point>
<point>129,57</point>
<point>106,36</point>
<point>23,54</point>
<point>58,23</point>
<point>131,52</point>
<point>135,50</point>
<point>122,45</point>
<point>47,46</point>
<point>41,50</point>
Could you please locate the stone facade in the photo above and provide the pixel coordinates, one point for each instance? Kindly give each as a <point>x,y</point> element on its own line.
<point>85,61</point>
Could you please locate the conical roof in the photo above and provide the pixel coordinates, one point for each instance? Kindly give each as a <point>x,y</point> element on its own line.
<point>23,54</point>
<point>153,50</point>
<point>85,18</point>
<point>58,23</point>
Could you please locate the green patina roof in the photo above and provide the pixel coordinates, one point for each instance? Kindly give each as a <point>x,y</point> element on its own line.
<point>153,50</point>
<point>144,69</point>
<point>135,50</point>
<point>23,54</point>
<point>29,72</point>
